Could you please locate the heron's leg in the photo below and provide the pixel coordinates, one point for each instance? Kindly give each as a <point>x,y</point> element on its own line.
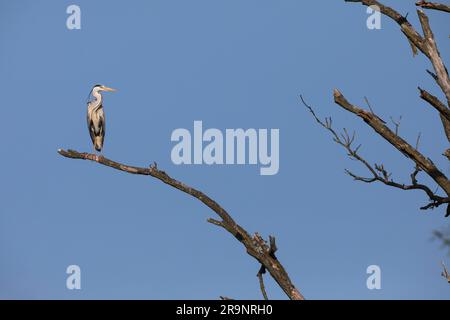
<point>95,153</point>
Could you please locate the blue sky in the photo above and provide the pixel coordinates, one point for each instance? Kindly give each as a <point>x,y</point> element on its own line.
<point>230,64</point>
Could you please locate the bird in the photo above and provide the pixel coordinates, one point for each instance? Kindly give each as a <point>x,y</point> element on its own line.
<point>96,116</point>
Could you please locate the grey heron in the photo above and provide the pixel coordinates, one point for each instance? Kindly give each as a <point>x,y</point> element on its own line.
<point>96,116</point>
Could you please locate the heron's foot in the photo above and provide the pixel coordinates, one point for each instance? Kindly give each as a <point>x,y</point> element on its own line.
<point>98,157</point>
<point>154,166</point>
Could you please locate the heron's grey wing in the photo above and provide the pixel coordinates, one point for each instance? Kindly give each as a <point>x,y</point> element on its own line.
<point>102,123</point>
<point>90,126</point>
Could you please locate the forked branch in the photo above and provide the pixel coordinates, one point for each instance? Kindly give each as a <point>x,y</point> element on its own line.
<point>426,44</point>
<point>413,36</point>
<point>255,245</point>
<point>401,145</point>
<point>377,171</point>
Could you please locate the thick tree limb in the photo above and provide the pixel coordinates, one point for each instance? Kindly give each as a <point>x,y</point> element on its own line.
<point>433,6</point>
<point>404,147</point>
<point>255,247</point>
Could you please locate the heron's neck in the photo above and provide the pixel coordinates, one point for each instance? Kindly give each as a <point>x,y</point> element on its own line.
<point>98,99</point>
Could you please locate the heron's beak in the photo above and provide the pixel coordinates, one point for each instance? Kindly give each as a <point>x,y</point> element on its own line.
<point>108,89</point>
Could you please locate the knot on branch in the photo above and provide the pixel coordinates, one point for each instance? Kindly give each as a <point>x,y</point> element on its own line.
<point>259,244</point>
<point>262,247</point>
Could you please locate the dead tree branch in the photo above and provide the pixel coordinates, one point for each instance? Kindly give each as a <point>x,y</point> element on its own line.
<point>260,273</point>
<point>426,44</point>
<point>272,249</point>
<point>404,147</point>
<point>433,6</point>
<point>413,36</point>
<point>255,246</point>
<point>444,112</point>
<point>434,56</point>
<point>378,171</point>
<point>435,103</point>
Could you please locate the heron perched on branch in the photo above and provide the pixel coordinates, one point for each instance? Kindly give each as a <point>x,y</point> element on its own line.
<point>96,116</point>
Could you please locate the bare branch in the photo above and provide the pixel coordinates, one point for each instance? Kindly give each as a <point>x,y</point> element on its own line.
<point>444,112</point>
<point>396,124</point>
<point>379,173</point>
<point>418,141</point>
<point>260,273</point>
<point>215,222</point>
<point>433,6</point>
<point>436,103</point>
<point>425,44</point>
<point>434,55</point>
<point>257,249</point>
<point>404,147</point>
<point>432,74</point>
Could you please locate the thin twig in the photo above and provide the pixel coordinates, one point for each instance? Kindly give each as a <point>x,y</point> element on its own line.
<point>260,273</point>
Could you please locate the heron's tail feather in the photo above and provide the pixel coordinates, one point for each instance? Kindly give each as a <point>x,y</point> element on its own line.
<point>98,143</point>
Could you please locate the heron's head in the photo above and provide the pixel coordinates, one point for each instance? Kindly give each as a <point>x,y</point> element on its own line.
<point>100,87</point>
